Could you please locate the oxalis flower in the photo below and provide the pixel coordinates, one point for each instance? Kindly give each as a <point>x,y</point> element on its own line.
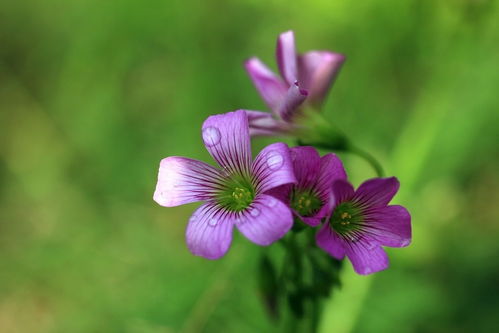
<point>304,82</point>
<point>309,198</point>
<point>361,223</point>
<point>234,194</point>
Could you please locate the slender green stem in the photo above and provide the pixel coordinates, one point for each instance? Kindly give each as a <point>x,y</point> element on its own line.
<point>369,158</point>
<point>321,133</point>
<point>315,314</point>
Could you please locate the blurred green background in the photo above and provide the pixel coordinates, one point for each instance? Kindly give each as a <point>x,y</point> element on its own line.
<point>94,93</point>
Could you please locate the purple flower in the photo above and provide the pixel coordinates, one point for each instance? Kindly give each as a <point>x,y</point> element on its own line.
<point>305,78</point>
<point>361,222</point>
<point>234,194</point>
<point>309,198</point>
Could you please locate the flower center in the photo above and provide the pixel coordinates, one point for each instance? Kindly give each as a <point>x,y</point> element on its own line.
<point>346,218</point>
<point>306,203</point>
<point>238,195</point>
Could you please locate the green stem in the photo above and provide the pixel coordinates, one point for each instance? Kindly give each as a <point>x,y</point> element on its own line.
<point>321,133</point>
<point>316,314</point>
<point>368,157</point>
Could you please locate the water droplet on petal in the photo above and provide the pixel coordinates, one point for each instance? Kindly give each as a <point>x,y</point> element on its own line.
<point>239,220</point>
<point>211,136</point>
<point>255,212</point>
<point>213,222</point>
<point>272,202</point>
<point>367,270</point>
<point>274,160</point>
<point>405,242</point>
<point>193,218</point>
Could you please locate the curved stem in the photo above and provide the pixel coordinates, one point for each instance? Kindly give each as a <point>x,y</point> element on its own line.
<point>369,158</point>
<point>321,133</point>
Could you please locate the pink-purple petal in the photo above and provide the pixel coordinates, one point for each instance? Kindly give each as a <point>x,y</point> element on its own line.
<point>306,164</point>
<point>290,105</point>
<point>317,72</point>
<point>390,225</point>
<point>264,124</point>
<point>226,137</point>
<point>286,56</point>
<point>282,192</point>
<point>272,167</point>
<point>312,221</point>
<point>257,115</point>
<point>265,221</point>
<point>209,232</point>
<point>270,87</point>
<point>331,169</point>
<point>330,242</point>
<point>182,180</point>
<point>366,258</point>
<point>376,192</point>
<point>342,191</point>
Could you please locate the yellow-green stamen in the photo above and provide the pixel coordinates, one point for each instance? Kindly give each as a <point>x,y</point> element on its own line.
<point>238,194</point>
<point>305,203</point>
<point>346,218</point>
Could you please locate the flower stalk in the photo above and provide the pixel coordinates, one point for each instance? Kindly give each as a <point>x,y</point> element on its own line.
<point>317,131</point>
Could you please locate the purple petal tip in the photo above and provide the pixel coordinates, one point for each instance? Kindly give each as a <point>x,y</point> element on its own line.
<point>303,92</point>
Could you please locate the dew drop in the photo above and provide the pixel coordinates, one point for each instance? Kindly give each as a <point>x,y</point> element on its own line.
<point>367,270</point>
<point>405,242</point>
<point>239,220</point>
<point>272,202</point>
<point>274,160</point>
<point>193,218</point>
<point>255,212</point>
<point>211,136</point>
<point>213,222</point>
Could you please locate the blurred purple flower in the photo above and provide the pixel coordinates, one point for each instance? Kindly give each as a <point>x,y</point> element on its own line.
<point>309,198</point>
<point>234,195</point>
<point>361,222</point>
<point>305,78</point>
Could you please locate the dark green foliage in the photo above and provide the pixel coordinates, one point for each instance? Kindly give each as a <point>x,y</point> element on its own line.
<point>306,278</point>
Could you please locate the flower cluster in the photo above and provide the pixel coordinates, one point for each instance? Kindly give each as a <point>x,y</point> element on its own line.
<point>263,197</point>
